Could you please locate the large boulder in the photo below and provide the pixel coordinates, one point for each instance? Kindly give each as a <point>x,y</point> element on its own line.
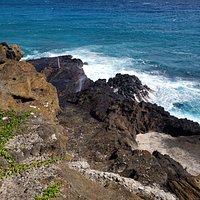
<point>22,88</point>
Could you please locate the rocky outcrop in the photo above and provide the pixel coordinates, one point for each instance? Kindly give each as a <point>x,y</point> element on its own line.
<point>151,117</point>
<point>110,107</point>
<point>64,72</point>
<point>122,95</point>
<point>115,151</point>
<point>188,188</point>
<point>130,87</point>
<point>105,117</point>
<point>22,88</point>
<point>172,168</point>
<point>12,52</point>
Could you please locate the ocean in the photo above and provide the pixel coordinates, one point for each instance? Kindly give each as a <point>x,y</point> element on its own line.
<point>157,40</point>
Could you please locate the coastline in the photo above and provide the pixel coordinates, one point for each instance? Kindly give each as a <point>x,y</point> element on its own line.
<point>90,126</point>
<point>182,104</point>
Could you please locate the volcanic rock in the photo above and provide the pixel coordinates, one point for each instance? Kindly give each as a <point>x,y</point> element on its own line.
<point>173,169</point>
<point>104,118</point>
<point>186,189</point>
<point>10,52</point>
<point>129,86</point>
<point>64,72</point>
<point>22,88</point>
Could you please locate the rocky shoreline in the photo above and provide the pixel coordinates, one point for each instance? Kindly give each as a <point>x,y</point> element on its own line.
<point>99,125</point>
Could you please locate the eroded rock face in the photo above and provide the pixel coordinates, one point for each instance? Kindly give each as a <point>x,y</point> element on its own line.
<point>64,72</point>
<point>188,188</point>
<point>12,52</point>
<point>22,88</point>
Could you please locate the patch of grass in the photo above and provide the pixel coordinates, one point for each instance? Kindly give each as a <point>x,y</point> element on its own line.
<point>51,192</point>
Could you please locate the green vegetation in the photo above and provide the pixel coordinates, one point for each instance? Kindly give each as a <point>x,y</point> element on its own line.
<point>51,192</point>
<point>10,124</point>
<point>19,168</point>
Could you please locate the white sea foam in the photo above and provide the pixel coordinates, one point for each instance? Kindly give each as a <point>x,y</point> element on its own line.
<point>166,91</point>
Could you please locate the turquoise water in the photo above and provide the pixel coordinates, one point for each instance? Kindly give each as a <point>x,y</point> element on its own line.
<point>159,41</point>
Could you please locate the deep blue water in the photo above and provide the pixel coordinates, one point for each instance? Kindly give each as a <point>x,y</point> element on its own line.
<point>158,40</point>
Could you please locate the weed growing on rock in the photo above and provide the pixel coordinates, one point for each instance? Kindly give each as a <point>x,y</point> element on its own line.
<point>51,192</point>
<point>10,122</point>
<point>19,168</point>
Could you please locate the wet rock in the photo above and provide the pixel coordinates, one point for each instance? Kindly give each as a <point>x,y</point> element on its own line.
<point>129,86</point>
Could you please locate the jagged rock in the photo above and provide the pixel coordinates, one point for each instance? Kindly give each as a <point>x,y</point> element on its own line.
<point>154,118</point>
<point>173,169</point>
<point>113,151</point>
<point>186,189</point>
<point>22,88</point>
<point>64,72</point>
<point>125,114</point>
<point>96,99</point>
<point>144,167</point>
<point>129,86</point>
<point>10,52</point>
<point>105,122</point>
<point>145,117</point>
<point>147,168</point>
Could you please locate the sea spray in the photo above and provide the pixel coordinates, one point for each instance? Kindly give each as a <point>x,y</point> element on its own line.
<point>80,83</point>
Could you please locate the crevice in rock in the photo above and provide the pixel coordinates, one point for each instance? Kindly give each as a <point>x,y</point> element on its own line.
<point>20,99</point>
<point>113,155</point>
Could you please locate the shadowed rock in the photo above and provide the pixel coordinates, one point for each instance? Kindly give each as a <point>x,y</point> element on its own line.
<point>65,73</point>
<point>173,169</point>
